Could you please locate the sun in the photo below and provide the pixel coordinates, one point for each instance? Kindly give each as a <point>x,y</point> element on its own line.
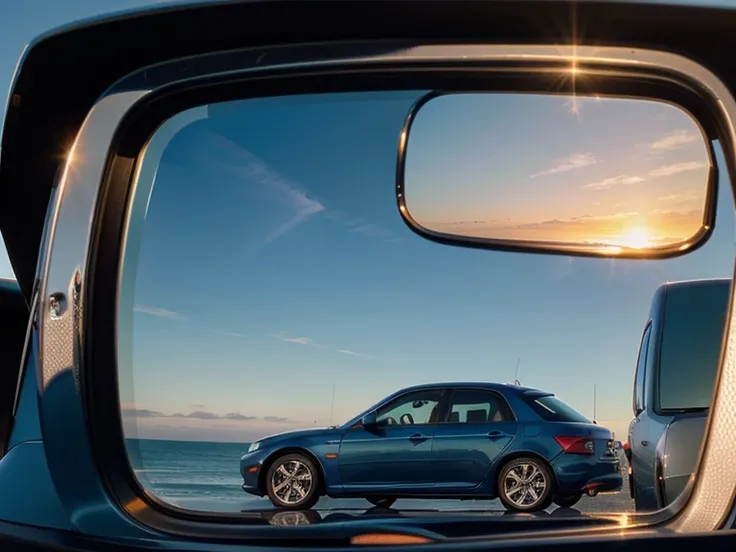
<point>636,238</point>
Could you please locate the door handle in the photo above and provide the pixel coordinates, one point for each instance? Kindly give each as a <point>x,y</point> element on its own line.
<point>645,443</point>
<point>496,434</point>
<point>417,437</point>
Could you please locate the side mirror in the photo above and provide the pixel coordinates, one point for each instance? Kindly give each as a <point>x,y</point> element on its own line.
<point>369,420</point>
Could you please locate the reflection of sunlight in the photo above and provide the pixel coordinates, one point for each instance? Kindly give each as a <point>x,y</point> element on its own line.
<point>636,238</point>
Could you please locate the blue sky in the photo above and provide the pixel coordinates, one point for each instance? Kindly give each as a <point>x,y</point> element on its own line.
<point>256,300</point>
<point>274,265</point>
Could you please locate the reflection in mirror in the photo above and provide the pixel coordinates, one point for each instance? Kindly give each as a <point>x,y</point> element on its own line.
<point>272,298</point>
<point>622,176</point>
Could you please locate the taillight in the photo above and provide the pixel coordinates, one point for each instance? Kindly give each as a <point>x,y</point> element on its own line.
<point>576,445</point>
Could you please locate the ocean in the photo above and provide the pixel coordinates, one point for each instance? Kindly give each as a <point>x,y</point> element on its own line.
<point>197,475</point>
<point>206,476</point>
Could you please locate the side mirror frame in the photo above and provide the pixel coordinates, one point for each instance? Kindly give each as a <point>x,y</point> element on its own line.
<point>369,420</point>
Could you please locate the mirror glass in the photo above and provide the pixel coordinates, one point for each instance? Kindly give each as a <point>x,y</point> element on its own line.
<point>604,175</point>
<point>272,295</point>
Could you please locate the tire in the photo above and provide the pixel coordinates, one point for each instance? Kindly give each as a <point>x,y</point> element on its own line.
<point>290,475</point>
<point>568,501</point>
<point>381,502</point>
<point>632,492</point>
<point>535,478</point>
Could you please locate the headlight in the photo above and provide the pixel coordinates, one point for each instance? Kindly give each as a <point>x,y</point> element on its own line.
<point>254,446</point>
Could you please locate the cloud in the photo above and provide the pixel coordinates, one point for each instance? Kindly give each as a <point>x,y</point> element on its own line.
<point>266,182</point>
<point>141,413</point>
<point>203,415</point>
<point>157,311</point>
<point>676,168</point>
<point>311,343</point>
<point>238,416</point>
<point>276,419</point>
<point>299,340</point>
<point>621,179</point>
<point>574,161</point>
<point>196,415</point>
<point>675,139</point>
<point>350,353</point>
<point>681,199</point>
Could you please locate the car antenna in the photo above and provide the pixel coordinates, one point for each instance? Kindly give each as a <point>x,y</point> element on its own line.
<point>516,373</point>
<point>332,408</point>
<point>594,404</point>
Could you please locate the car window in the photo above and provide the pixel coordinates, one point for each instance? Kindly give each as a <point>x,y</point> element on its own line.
<point>473,406</point>
<point>694,323</point>
<point>640,376</point>
<point>552,409</point>
<point>415,408</point>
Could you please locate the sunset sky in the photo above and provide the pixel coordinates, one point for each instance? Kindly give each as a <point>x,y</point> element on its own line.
<point>639,182</point>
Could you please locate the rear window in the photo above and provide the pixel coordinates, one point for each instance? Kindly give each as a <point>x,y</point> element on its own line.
<point>694,321</point>
<point>552,409</point>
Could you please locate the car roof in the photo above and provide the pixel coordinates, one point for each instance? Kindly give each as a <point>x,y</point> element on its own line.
<point>704,282</point>
<point>492,386</point>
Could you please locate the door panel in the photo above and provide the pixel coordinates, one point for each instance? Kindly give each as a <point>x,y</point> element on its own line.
<point>392,455</point>
<point>465,452</point>
<point>397,451</point>
<point>479,428</point>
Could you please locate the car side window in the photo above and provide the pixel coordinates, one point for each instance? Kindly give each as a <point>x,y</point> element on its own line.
<point>418,407</point>
<point>640,377</point>
<point>478,406</point>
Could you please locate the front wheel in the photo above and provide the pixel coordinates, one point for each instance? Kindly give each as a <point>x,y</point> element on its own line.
<point>381,502</point>
<point>292,482</point>
<point>568,501</point>
<point>525,485</point>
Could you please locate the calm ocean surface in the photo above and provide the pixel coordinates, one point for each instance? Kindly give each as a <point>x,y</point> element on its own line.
<point>206,476</point>
<point>193,474</point>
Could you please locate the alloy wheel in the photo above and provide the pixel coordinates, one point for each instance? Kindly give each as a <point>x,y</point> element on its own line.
<point>525,485</point>
<point>292,482</point>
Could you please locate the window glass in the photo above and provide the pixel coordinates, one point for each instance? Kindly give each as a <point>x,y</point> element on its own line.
<point>473,406</point>
<point>271,292</point>
<point>639,397</point>
<point>694,323</point>
<point>553,409</point>
<point>414,408</point>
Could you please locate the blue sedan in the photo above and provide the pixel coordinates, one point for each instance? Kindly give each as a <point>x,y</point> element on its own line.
<point>445,440</point>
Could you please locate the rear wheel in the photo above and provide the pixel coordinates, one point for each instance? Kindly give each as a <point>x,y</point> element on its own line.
<point>568,501</point>
<point>525,485</point>
<point>382,501</point>
<point>292,482</point>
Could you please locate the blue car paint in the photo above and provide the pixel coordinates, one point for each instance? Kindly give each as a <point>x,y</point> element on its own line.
<point>459,460</point>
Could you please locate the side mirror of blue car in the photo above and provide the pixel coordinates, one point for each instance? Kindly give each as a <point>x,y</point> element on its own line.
<point>369,420</point>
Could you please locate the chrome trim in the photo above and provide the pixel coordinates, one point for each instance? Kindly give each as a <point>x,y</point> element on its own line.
<point>72,217</point>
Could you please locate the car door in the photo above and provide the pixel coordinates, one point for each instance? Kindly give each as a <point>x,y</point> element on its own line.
<point>479,427</point>
<point>398,451</point>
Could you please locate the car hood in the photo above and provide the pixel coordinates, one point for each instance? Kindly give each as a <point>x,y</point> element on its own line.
<point>298,433</point>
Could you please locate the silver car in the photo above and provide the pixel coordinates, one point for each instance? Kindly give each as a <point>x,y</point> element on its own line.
<point>678,360</point>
